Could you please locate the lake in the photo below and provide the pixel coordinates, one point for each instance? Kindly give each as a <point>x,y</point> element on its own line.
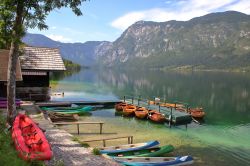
<point>223,139</point>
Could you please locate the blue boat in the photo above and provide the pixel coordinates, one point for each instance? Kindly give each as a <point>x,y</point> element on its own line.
<point>155,161</point>
<point>129,147</point>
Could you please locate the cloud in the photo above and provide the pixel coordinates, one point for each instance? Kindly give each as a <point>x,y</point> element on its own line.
<point>59,38</point>
<point>181,10</point>
<point>53,27</point>
<point>242,6</point>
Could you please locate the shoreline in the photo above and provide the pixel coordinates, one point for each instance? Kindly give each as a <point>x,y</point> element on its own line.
<point>65,150</point>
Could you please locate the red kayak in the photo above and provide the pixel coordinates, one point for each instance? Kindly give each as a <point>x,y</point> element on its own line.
<point>29,140</point>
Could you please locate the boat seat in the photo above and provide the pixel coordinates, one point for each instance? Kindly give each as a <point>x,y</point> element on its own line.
<point>30,125</point>
<point>29,134</point>
<point>39,142</point>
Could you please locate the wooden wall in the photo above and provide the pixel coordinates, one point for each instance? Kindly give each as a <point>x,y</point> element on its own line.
<point>3,89</point>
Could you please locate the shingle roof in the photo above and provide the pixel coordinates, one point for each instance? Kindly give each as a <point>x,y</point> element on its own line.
<point>4,60</point>
<point>41,58</point>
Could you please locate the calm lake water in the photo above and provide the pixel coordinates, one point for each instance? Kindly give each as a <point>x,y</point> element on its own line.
<point>224,138</point>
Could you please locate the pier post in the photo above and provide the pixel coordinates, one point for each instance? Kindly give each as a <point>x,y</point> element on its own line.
<point>139,98</point>
<point>133,100</point>
<point>78,132</point>
<point>124,98</point>
<point>170,119</point>
<point>101,128</point>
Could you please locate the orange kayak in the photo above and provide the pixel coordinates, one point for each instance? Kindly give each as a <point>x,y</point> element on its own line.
<point>30,142</point>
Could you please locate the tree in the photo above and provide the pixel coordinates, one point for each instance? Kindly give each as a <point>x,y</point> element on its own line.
<point>6,24</point>
<point>27,14</point>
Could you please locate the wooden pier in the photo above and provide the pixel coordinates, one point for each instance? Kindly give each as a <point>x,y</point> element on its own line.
<point>78,124</point>
<point>106,104</point>
<point>173,116</point>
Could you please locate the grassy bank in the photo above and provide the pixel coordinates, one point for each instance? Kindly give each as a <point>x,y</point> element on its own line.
<point>8,154</point>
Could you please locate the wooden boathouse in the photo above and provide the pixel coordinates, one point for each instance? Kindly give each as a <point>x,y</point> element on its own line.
<point>4,59</point>
<point>36,63</point>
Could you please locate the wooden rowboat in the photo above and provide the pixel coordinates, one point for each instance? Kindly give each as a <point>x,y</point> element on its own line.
<point>129,147</point>
<point>141,112</point>
<point>151,152</point>
<point>56,117</point>
<point>156,116</point>
<point>154,161</point>
<point>129,110</point>
<point>29,140</point>
<point>197,112</point>
<point>119,106</point>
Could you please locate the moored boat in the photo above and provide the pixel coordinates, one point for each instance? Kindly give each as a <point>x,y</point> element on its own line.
<point>3,102</point>
<point>129,147</point>
<point>68,109</point>
<point>119,106</point>
<point>141,112</point>
<point>129,110</point>
<point>151,152</point>
<point>81,111</point>
<point>56,117</point>
<point>29,140</point>
<point>156,116</point>
<point>154,161</point>
<point>196,112</point>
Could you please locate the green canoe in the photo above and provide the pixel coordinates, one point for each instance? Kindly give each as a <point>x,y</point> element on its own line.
<point>81,111</point>
<point>152,152</point>
<point>68,109</point>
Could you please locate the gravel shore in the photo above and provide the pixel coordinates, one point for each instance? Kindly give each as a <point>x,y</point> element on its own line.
<point>65,151</point>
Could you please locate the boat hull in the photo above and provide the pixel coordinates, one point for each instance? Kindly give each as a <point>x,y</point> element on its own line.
<point>141,113</point>
<point>30,142</point>
<point>154,161</point>
<point>197,113</point>
<point>129,110</point>
<point>119,106</point>
<point>151,152</point>
<point>129,147</point>
<point>156,117</point>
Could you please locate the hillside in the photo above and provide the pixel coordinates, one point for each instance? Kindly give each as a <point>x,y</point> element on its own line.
<point>81,53</point>
<point>213,41</point>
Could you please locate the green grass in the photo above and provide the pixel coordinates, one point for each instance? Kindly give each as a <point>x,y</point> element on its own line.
<point>83,144</point>
<point>96,151</point>
<point>8,154</point>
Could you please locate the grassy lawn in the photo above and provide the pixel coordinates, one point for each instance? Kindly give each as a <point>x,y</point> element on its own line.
<point>8,154</point>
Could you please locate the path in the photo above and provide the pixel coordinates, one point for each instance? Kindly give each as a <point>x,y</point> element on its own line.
<point>65,151</point>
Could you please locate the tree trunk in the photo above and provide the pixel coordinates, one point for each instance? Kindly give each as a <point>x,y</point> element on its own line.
<point>13,56</point>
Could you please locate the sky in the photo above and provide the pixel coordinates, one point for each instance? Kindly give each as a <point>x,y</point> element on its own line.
<point>105,20</point>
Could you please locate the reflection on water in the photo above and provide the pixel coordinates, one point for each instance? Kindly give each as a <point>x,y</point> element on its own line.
<point>224,96</point>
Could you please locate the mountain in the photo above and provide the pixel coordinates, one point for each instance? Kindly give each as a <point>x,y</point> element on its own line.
<point>217,40</point>
<point>214,41</point>
<point>81,53</point>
